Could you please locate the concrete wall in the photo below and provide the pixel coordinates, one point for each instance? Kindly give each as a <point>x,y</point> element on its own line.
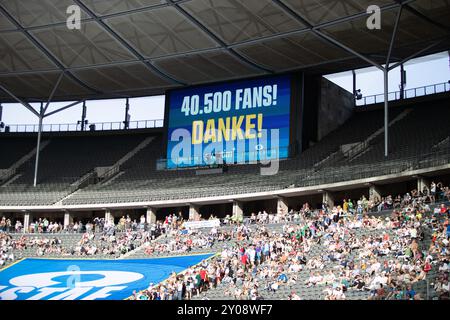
<point>219,210</point>
<point>335,106</point>
<point>270,205</point>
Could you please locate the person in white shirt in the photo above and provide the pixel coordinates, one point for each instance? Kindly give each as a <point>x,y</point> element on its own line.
<point>329,278</point>
<point>18,226</point>
<point>444,267</point>
<point>294,296</point>
<point>295,267</point>
<point>413,233</point>
<point>338,294</point>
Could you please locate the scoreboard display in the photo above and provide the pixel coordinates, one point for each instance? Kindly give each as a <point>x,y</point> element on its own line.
<point>238,122</point>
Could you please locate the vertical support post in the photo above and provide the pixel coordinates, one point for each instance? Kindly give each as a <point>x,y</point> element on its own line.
<point>354,87</point>
<point>83,116</point>
<point>26,222</point>
<point>328,198</point>
<point>108,216</point>
<point>151,215</point>
<point>38,147</point>
<point>194,214</point>
<point>282,205</point>
<point>238,211</point>
<point>422,183</point>
<point>126,122</point>
<point>1,112</point>
<point>402,81</point>
<point>374,192</point>
<point>386,112</point>
<point>68,219</point>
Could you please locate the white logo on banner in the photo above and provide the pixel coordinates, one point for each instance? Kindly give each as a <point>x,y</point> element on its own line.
<point>110,278</point>
<point>43,285</point>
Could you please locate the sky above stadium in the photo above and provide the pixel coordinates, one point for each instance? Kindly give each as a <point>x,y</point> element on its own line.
<point>423,71</point>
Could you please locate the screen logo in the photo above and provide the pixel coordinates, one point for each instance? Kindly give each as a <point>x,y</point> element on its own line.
<point>69,285</point>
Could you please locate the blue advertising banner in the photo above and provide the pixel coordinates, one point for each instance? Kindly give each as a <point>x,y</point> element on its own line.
<point>236,122</point>
<point>44,279</point>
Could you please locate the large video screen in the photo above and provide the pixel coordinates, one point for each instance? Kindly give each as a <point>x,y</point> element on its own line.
<point>234,122</point>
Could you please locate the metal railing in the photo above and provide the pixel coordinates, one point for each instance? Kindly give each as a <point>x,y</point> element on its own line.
<point>231,158</point>
<point>407,94</point>
<point>373,169</point>
<point>97,126</point>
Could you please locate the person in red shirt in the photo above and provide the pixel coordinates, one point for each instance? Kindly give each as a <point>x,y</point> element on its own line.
<point>203,277</point>
<point>443,209</point>
<point>427,268</point>
<point>434,238</point>
<point>244,259</point>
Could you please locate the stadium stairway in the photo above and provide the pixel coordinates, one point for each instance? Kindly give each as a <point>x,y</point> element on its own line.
<point>64,162</point>
<point>8,175</point>
<point>356,149</point>
<point>112,172</point>
<point>69,241</point>
<point>416,134</point>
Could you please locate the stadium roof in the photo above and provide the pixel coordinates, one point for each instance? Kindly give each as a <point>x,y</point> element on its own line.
<point>144,47</point>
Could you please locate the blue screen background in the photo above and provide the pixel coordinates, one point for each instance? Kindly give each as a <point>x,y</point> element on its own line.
<point>274,117</point>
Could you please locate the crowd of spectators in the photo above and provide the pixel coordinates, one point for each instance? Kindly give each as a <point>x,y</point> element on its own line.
<point>437,192</point>
<point>99,238</point>
<point>40,245</point>
<point>97,225</point>
<point>339,249</point>
<point>381,256</point>
<point>439,249</point>
<point>6,248</point>
<point>110,242</point>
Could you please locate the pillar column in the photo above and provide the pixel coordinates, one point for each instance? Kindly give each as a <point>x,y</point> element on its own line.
<point>108,216</point>
<point>68,219</point>
<point>422,183</point>
<point>328,198</point>
<point>194,214</point>
<point>151,215</point>
<point>238,210</point>
<point>282,205</point>
<point>374,192</point>
<point>26,222</point>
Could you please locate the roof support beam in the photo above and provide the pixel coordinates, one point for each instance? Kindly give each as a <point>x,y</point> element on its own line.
<point>384,69</point>
<point>38,145</point>
<point>47,53</point>
<point>310,27</point>
<point>394,35</point>
<point>420,15</point>
<point>53,93</point>
<point>25,104</point>
<point>42,114</point>
<point>222,44</point>
<point>234,45</point>
<point>106,16</point>
<point>122,41</point>
<point>386,82</point>
<point>348,49</point>
<point>414,55</point>
<point>63,108</point>
<point>324,36</point>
